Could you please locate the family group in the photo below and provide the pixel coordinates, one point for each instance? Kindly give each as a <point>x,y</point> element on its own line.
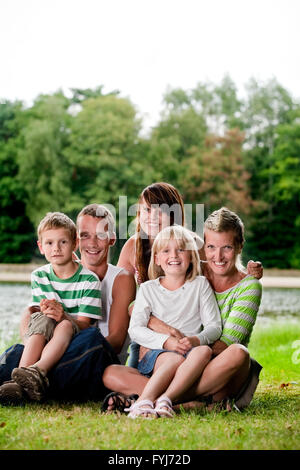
<point>167,327</point>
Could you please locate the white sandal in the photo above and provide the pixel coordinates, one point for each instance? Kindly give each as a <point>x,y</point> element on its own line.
<point>136,410</point>
<point>162,403</point>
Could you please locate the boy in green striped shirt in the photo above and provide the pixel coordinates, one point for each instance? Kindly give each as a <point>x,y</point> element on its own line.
<point>65,297</point>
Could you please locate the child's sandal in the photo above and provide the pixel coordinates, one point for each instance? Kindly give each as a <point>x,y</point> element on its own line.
<point>163,407</point>
<point>138,409</point>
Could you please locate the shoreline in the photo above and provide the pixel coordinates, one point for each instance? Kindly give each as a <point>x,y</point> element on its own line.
<point>20,273</point>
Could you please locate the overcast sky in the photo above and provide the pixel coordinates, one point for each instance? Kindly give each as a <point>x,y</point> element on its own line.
<point>142,46</point>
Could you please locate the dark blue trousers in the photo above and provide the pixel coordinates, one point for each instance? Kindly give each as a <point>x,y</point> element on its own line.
<point>78,374</point>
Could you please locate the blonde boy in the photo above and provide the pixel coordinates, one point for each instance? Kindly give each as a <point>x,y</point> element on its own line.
<point>65,296</point>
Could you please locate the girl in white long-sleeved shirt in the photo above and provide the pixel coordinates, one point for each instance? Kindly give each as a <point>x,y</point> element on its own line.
<point>179,296</point>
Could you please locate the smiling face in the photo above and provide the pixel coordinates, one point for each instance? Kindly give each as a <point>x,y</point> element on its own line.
<point>152,219</point>
<point>57,246</point>
<point>173,259</point>
<point>94,241</point>
<point>221,252</point>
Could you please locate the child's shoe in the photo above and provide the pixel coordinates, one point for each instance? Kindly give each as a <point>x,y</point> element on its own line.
<point>33,381</point>
<point>12,393</point>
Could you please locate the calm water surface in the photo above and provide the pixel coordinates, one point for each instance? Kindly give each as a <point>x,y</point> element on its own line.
<point>276,304</point>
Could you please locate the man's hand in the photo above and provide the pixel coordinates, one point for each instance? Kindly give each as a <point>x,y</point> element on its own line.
<point>255,269</point>
<point>52,309</point>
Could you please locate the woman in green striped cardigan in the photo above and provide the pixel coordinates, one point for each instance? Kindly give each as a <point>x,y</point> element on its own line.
<point>231,373</point>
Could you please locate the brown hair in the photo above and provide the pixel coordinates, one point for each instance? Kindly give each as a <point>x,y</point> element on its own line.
<point>168,198</point>
<point>54,220</point>
<point>186,241</point>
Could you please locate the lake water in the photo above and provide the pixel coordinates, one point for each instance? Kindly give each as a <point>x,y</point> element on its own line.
<point>276,304</point>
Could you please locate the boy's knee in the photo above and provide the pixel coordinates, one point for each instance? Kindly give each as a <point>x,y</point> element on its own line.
<point>66,326</point>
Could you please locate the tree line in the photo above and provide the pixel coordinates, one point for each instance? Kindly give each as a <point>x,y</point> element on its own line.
<point>64,152</point>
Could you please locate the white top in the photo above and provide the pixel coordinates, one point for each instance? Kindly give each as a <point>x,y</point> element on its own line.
<point>106,300</point>
<point>192,309</point>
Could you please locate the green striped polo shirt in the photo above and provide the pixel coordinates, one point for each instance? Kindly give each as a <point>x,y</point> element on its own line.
<point>238,307</point>
<point>80,294</point>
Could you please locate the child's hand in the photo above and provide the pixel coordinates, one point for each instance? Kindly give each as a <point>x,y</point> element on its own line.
<point>255,269</point>
<point>177,345</point>
<point>52,309</point>
<point>190,342</point>
<point>45,304</point>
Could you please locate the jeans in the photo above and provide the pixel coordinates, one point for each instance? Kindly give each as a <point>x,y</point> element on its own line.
<point>78,374</point>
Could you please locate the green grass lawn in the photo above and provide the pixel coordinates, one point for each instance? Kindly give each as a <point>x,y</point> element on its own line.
<point>271,422</point>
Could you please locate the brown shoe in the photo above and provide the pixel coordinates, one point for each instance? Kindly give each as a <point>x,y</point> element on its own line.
<point>33,381</point>
<point>12,393</point>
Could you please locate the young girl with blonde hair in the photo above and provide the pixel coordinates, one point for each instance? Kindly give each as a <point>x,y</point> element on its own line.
<point>177,294</point>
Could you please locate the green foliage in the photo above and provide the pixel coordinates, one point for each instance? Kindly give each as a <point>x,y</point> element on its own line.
<point>105,153</point>
<point>285,191</point>
<point>43,169</point>
<point>15,228</point>
<point>271,232</point>
<point>216,173</point>
<point>218,149</point>
<point>82,94</point>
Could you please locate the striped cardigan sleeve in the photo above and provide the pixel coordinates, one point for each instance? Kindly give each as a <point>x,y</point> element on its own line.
<point>239,307</point>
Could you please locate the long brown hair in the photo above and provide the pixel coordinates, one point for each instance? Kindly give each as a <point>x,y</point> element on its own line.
<point>161,194</point>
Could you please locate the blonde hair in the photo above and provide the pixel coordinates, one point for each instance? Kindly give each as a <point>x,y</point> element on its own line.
<point>225,220</point>
<point>186,240</point>
<point>54,220</point>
